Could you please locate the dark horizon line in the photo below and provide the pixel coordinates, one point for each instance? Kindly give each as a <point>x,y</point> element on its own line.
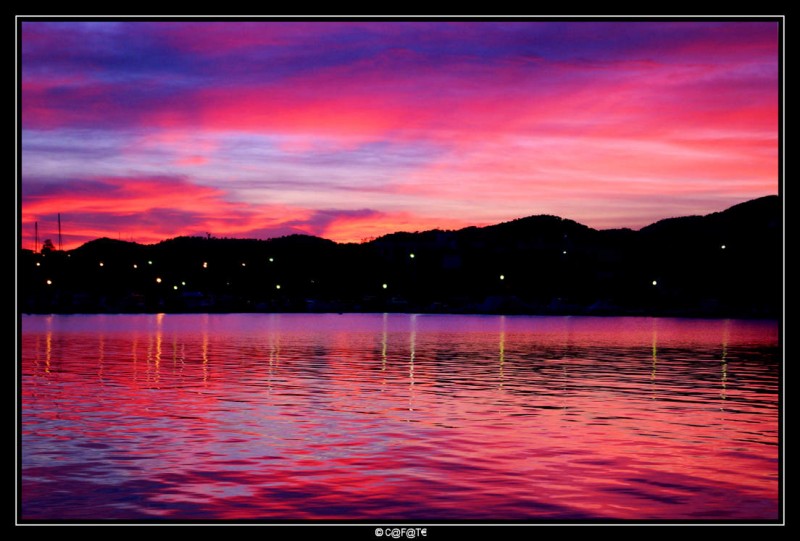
<point>367,240</point>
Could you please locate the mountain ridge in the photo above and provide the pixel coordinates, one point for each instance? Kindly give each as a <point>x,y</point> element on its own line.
<point>724,264</point>
<point>533,218</point>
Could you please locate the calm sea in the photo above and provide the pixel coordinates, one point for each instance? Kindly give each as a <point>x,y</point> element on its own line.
<point>396,417</point>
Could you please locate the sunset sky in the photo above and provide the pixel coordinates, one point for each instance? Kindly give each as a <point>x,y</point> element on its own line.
<point>347,130</point>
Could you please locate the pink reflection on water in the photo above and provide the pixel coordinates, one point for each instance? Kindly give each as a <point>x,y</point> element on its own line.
<point>297,417</point>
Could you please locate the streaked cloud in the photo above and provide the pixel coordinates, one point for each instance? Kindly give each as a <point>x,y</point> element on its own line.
<point>355,129</point>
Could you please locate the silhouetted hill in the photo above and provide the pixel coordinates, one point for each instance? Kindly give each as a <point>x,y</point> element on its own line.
<point>724,264</point>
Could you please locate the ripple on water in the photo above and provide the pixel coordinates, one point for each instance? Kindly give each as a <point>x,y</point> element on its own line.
<point>360,417</point>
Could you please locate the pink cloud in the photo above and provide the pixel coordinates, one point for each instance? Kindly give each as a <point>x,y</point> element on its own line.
<point>192,160</point>
<point>520,125</point>
<point>150,209</point>
<point>349,228</point>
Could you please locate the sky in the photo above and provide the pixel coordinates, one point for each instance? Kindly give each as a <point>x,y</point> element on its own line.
<point>145,131</point>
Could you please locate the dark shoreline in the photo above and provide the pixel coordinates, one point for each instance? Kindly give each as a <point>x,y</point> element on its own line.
<point>723,265</point>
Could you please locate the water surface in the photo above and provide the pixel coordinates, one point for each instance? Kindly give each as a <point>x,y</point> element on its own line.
<point>381,417</point>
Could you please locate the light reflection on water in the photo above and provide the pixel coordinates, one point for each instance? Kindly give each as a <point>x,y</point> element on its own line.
<point>398,417</point>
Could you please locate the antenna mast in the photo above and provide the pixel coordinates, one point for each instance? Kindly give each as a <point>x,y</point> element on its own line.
<point>35,236</point>
<point>59,231</point>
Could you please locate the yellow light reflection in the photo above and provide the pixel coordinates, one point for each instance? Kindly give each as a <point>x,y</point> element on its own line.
<point>159,340</point>
<point>205,356</point>
<point>274,342</point>
<point>204,350</point>
<point>724,382</point>
<point>48,345</point>
<point>654,363</point>
<point>725,338</point>
<point>48,350</point>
